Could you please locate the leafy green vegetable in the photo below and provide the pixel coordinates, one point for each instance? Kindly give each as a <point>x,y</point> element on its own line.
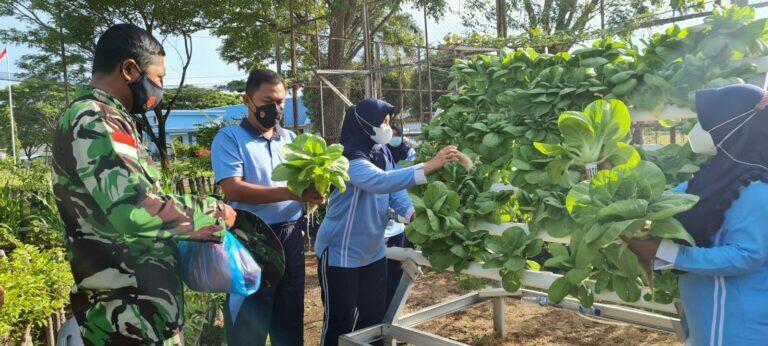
<point>310,162</point>
<point>629,201</point>
<point>678,162</point>
<point>512,115</point>
<point>590,137</point>
<point>509,253</point>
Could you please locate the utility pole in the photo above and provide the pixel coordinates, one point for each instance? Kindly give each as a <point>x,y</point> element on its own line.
<point>421,96</point>
<point>63,59</point>
<point>319,65</point>
<point>10,106</point>
<point>294,73</point>
<point>602,18</point>
<point>501,18</point>
<point>367,52</point>
<point>278,59</point>
<point>429,66</point>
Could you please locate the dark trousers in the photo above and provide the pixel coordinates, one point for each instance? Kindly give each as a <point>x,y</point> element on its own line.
<point>276,311</point>
<point>353,298</point>
<point>395,268</point>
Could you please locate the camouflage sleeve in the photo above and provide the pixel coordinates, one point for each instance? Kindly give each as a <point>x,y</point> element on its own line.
<point>107,161</point>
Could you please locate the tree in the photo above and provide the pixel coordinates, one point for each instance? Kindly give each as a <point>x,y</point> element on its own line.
<point>37,105</point>
<point>194,97</point>
<point>65,34</point>
<point>235,86</point>
<point>547,17</point>
<point>250,37</point>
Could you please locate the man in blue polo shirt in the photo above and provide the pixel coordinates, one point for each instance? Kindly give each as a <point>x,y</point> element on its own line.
<point>243,157</point>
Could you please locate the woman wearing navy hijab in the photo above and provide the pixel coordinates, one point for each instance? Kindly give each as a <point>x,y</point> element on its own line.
<point>724,283</point>
<point>350,242</point>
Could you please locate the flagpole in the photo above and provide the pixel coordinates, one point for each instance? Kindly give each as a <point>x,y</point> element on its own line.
<point>10,106</point>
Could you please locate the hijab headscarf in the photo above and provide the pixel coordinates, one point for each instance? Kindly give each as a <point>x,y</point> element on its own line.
<point>719,182</point>
<point>399,153</point>
<point>356,132</point>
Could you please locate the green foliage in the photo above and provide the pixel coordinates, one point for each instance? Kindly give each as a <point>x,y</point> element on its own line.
<point>200,312</point>
<point>557,24</point>
<point>597,135</point>
<point>509,253</point>
<point>28,212</point>
<point>309,162</point>
<point>512,115</point>
<point>715,53</point>
<point>439,230</point>
<point>206,133</point>
<point>37,283</point>
<point>194,97</point>
<point>628,201</point>
<point>36,106</point>
<point>678,162</point>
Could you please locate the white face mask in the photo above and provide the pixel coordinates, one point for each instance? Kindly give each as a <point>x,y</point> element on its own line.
<point>701,141</point>
<point>396,141</point>
<point>382,135</point>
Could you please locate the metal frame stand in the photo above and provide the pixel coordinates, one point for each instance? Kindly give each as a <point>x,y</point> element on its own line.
<point>399,327</point>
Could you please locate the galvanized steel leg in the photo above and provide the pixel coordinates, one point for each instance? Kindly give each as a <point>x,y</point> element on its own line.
<point>498,315</point>
<point>411,273</point>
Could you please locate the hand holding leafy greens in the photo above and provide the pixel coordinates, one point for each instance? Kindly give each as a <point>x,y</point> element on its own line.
<point>311,163</point>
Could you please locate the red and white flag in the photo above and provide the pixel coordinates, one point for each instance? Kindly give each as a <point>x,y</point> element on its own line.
<point>3,53</point>
<point>124,144</point>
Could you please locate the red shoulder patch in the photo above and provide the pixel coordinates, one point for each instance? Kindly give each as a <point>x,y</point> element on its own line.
<point>124,138</point>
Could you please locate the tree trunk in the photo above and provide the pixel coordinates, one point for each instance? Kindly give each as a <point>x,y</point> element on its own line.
<point>56,322</point>
<point>27,340</point>
<point>335,108</point>
<point>50,333</point>
<point>160,142</point>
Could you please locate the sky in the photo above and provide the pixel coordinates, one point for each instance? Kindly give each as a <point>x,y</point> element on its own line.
<point>208,69</point>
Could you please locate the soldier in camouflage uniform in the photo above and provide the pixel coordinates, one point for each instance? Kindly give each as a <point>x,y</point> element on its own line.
<point>121,228</point>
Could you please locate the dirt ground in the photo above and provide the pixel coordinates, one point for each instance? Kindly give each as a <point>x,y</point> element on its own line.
<point>526,325</point>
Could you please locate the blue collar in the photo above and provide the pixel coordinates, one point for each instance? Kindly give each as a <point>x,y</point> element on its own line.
<point>256,133</point>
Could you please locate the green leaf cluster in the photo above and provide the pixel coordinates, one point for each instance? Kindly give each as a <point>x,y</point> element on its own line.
<point>679,61</point>
<point>627,201</point>
<point>678,162</point>
<point>594,136</point>
<point>309,161</point>
<point>510,253</point>
<point>36,283</point>
<point>512,113</point>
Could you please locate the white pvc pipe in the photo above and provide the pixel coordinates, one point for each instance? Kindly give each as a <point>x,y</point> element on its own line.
<point>498,229</point>
<point>539,280</point>
<point>666,112</point>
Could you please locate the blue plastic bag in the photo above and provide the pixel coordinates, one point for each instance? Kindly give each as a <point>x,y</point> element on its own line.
<point>227,267</point>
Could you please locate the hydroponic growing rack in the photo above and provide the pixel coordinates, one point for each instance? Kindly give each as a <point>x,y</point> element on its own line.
<point>397,326</point>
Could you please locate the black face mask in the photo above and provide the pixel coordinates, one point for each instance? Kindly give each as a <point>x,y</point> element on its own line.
<point>268,115</point>
<point>146,94</point>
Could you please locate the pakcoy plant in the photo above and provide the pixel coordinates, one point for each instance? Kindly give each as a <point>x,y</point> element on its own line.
<point>628,201</point>
<point>598,134</point>
<point>310,162</point>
